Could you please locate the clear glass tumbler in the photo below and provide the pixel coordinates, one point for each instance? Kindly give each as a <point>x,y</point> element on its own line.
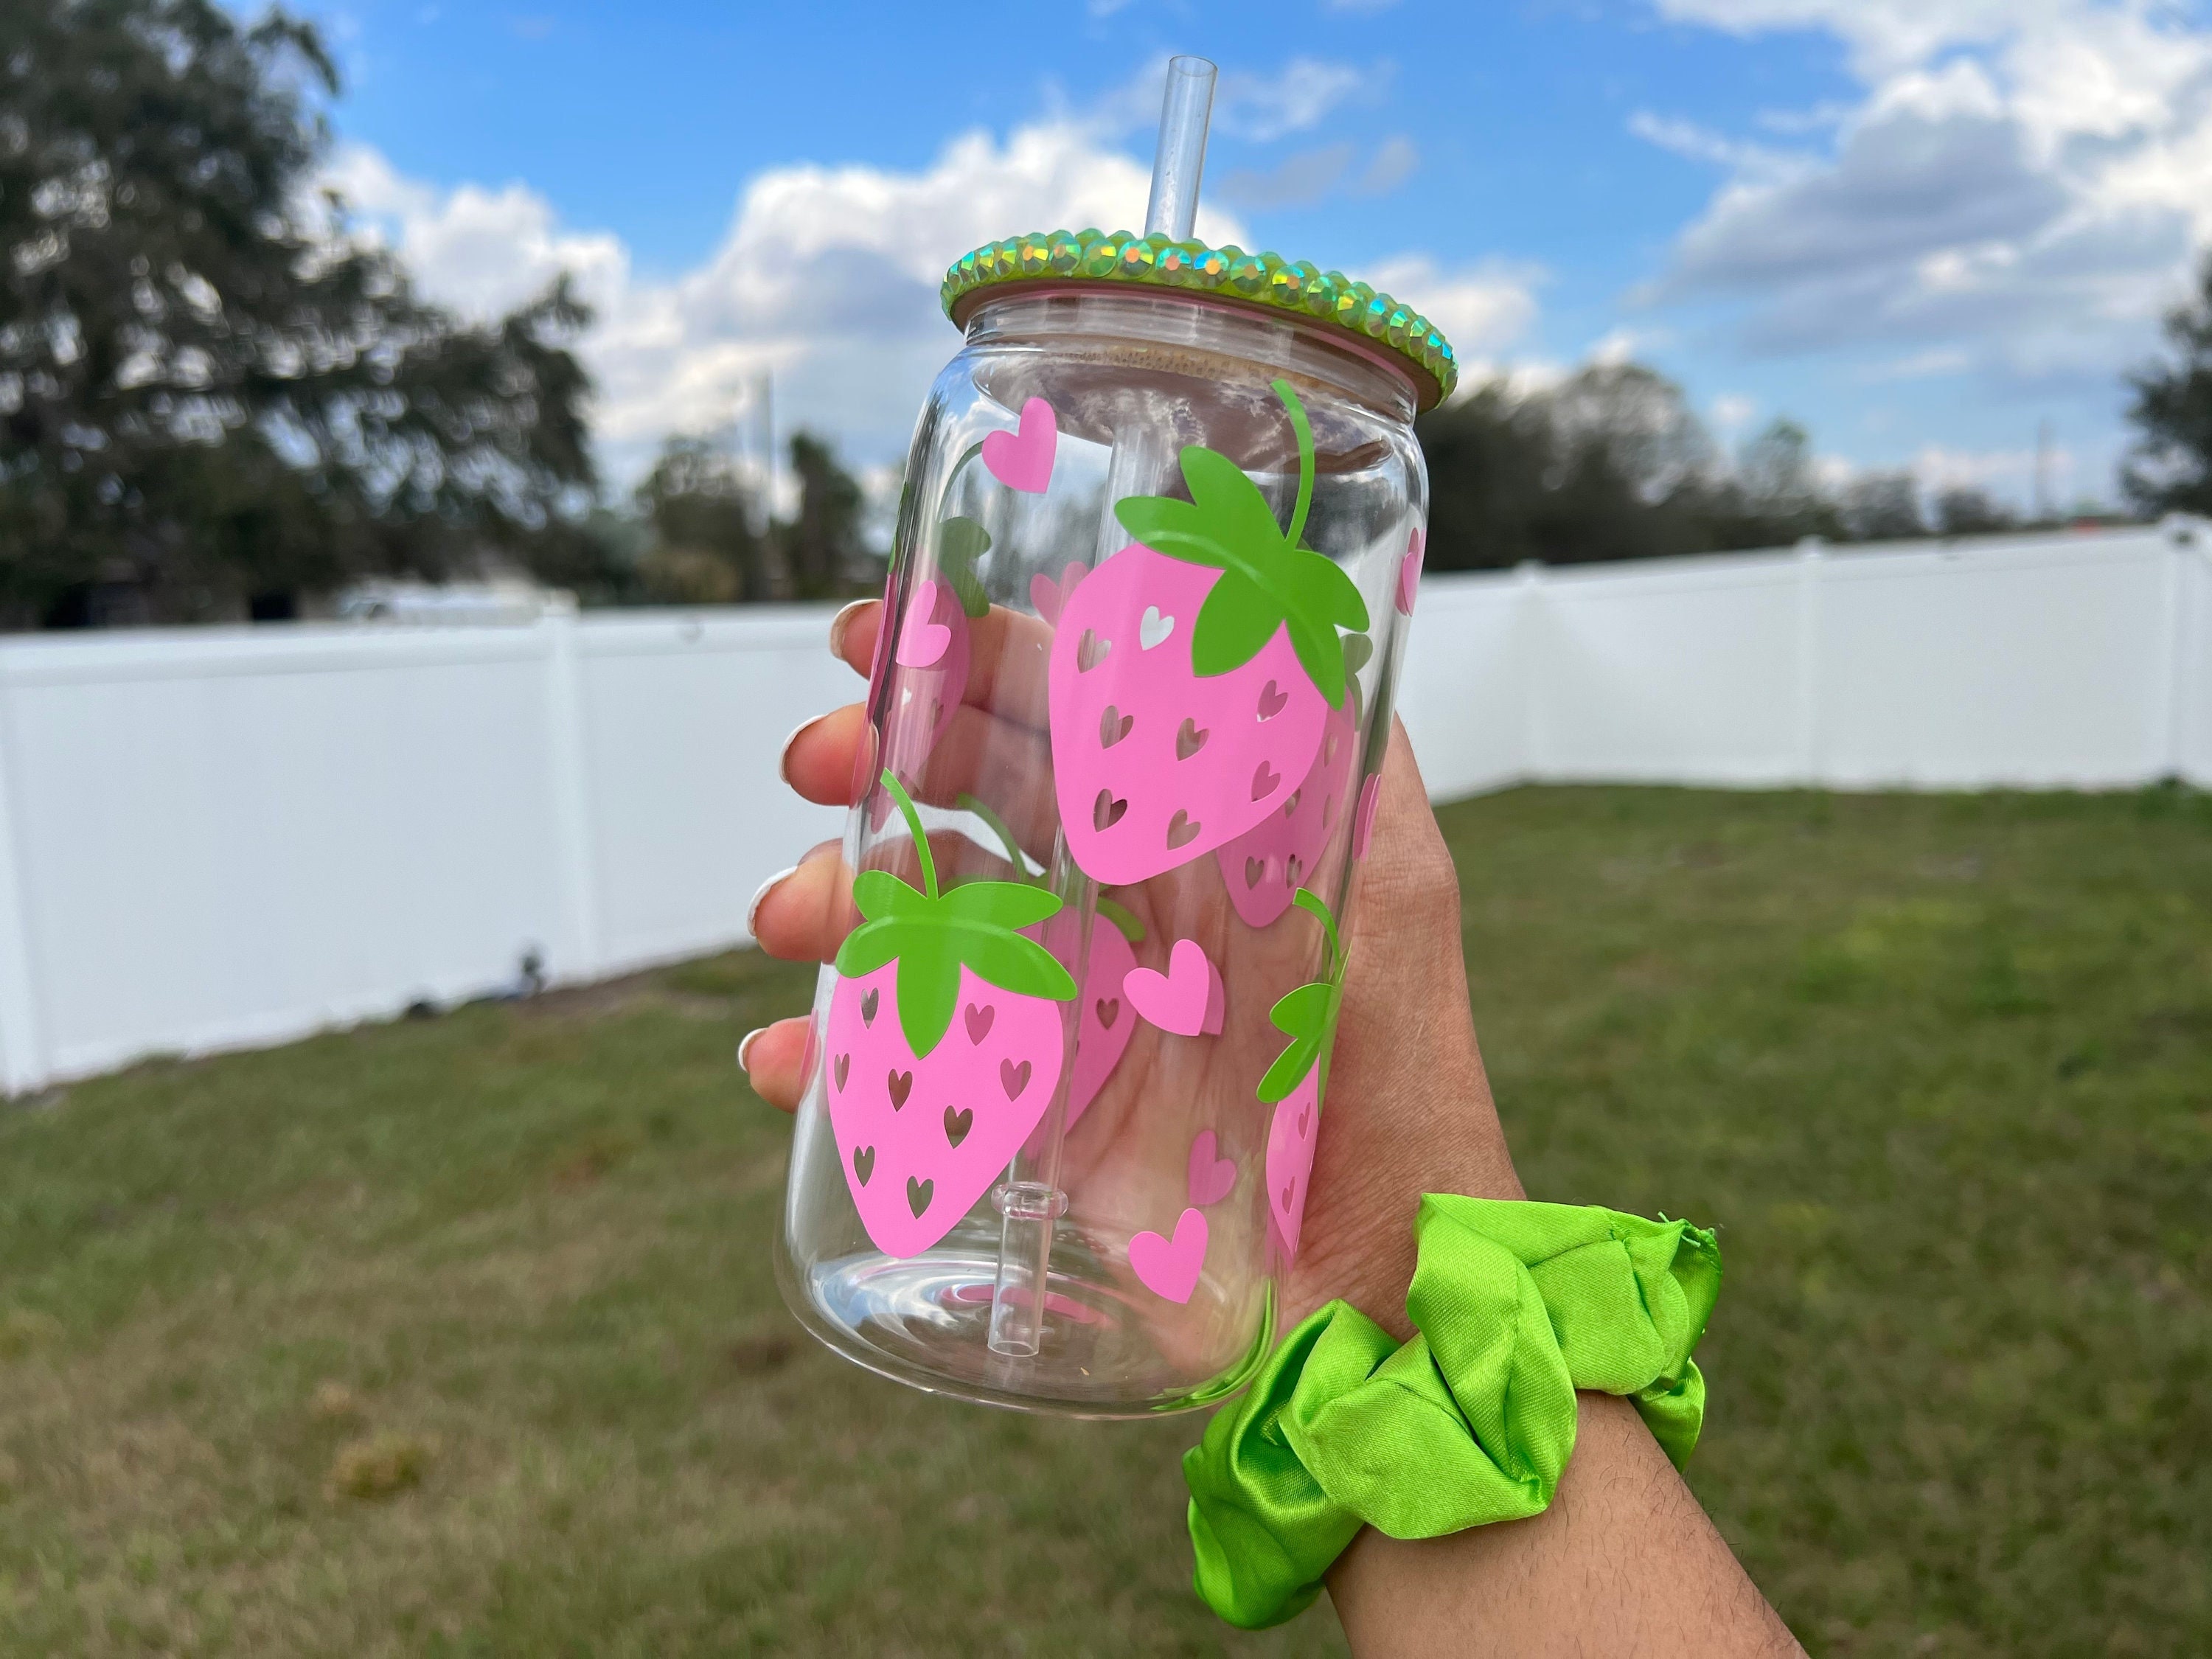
<point>1154,566</point>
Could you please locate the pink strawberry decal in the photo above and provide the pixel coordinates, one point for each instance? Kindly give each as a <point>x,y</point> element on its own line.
<point>1298,1079</point>
<point>1265,865</point>
<point>1192,673</point>
<point>942,1044</point>
<point>1105,1021</point>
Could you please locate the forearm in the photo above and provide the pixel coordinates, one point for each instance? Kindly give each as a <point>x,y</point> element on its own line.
<point>1623,1562</point>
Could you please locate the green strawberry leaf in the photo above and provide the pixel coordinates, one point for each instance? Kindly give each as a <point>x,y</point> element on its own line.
<point>1307,1015</point>
<point>1233,623</point>
<point>1018,964</point>
<point>878,895</point>
<point>1289,1070</point>
<point>1268,581</point>
<point>867,948</point>
<point>1302,1012</point>
<point>960,543</point>
<point>1007,904</point>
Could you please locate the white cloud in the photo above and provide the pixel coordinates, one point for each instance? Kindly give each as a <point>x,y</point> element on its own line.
<point>827,277</point>
<point>1247,105</point>
<point>2019,189</point>
<point>1482,308</point>
<point>1307,90</point>
<point>1732,412</point>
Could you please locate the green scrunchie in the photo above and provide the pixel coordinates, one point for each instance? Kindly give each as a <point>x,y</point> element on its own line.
<point>1515,1306</point>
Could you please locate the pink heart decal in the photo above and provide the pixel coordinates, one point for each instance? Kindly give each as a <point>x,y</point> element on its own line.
<point>1370,793</point>
<point>1188,1000</point>
<point>1170,1268</point>
<point>923,643</point>
<point>1048,596</point>
<point>1022,460</point>
<point>1211,1177</point>
<point>1409,575</point>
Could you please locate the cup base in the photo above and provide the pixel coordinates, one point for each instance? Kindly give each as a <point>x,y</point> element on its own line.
<point>925,1321</point>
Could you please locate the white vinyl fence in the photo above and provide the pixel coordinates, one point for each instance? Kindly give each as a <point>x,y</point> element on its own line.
<point>215,838</point>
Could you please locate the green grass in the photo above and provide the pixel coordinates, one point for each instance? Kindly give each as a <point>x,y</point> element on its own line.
<point>456,1336</point>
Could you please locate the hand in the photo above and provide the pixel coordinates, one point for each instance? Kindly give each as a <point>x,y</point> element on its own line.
<point>1408,1109</point>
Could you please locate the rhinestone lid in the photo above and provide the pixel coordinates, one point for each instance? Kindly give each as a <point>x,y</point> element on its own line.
<point>1260,279</point>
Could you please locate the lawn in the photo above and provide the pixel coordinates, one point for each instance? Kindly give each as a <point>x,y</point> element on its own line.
<point>456,1336</point>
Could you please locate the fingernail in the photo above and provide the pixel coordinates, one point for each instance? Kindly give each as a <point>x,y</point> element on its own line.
<point>839,622</point>
<point>744,1043</point>
<point>783,757</point>
<point>753,910</point>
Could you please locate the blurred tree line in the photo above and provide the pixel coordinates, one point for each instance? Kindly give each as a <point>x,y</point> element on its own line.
<point>1611,463</point>
<point>216,396</point>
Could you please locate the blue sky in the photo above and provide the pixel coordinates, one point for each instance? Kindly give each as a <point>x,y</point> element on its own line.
<point>1918,226</point>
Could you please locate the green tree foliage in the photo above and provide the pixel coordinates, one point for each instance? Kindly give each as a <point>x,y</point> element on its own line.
<point>823,554</point>
<point>1965,510</point>
<point>2171,468</point>
<point>703,550</point>
<point>207,390</point>
<point>692,535</point>
<point>1612,463</point>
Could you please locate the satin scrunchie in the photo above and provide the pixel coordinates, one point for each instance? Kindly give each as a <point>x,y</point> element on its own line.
<point>1515,1306</point>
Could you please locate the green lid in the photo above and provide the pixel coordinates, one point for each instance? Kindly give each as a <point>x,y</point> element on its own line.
<point>1228,273</point>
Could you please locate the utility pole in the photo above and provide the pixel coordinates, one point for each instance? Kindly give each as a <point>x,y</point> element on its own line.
<point>2042,508</point>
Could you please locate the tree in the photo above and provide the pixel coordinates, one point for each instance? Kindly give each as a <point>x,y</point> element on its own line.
<point>2170,468</point>
<point>1881,507</point>
<point>703,550</point>
<point>1965,510</point>
<point>207,389</point>
<point>823,551</point>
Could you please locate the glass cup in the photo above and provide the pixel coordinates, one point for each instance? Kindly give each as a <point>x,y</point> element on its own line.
<point>1154,564</point>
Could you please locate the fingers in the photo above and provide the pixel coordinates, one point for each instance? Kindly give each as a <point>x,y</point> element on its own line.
<point>800,915</point>
<point>818,757</point>
<point>1007,656</point>
<point>774,1061</point>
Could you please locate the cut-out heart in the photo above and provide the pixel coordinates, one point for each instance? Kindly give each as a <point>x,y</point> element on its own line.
<point>841,1067</point>
<point>1409,575</point>
<point>1091,651</point>
<point>1188,1000</point>
<point>1022,460</point>
<point>922,642</point>
<point>1291,804</point>
<point>868,1009</point>
<point>1363,826</point>
<point>864,1163</point>
<point>956,1125</point>
<point>918,1195</point>
<point>1254,871</point>
<point>1170,1266</point>
<point>1294,871</point>
<point>1013,1078</point>
<point>1210,1177</point>
<point>1190,739</point>
<point>901,1083</point>
<point>1109,1010</point>
<point>1181,830</point>
<point>1264,781</point>
<point>1113,727</point>
<point>1272,700</point>
<point>979,1020</point>
<point>1106,812</point>
<point>1153,627</point>
<point>1050,596</point>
